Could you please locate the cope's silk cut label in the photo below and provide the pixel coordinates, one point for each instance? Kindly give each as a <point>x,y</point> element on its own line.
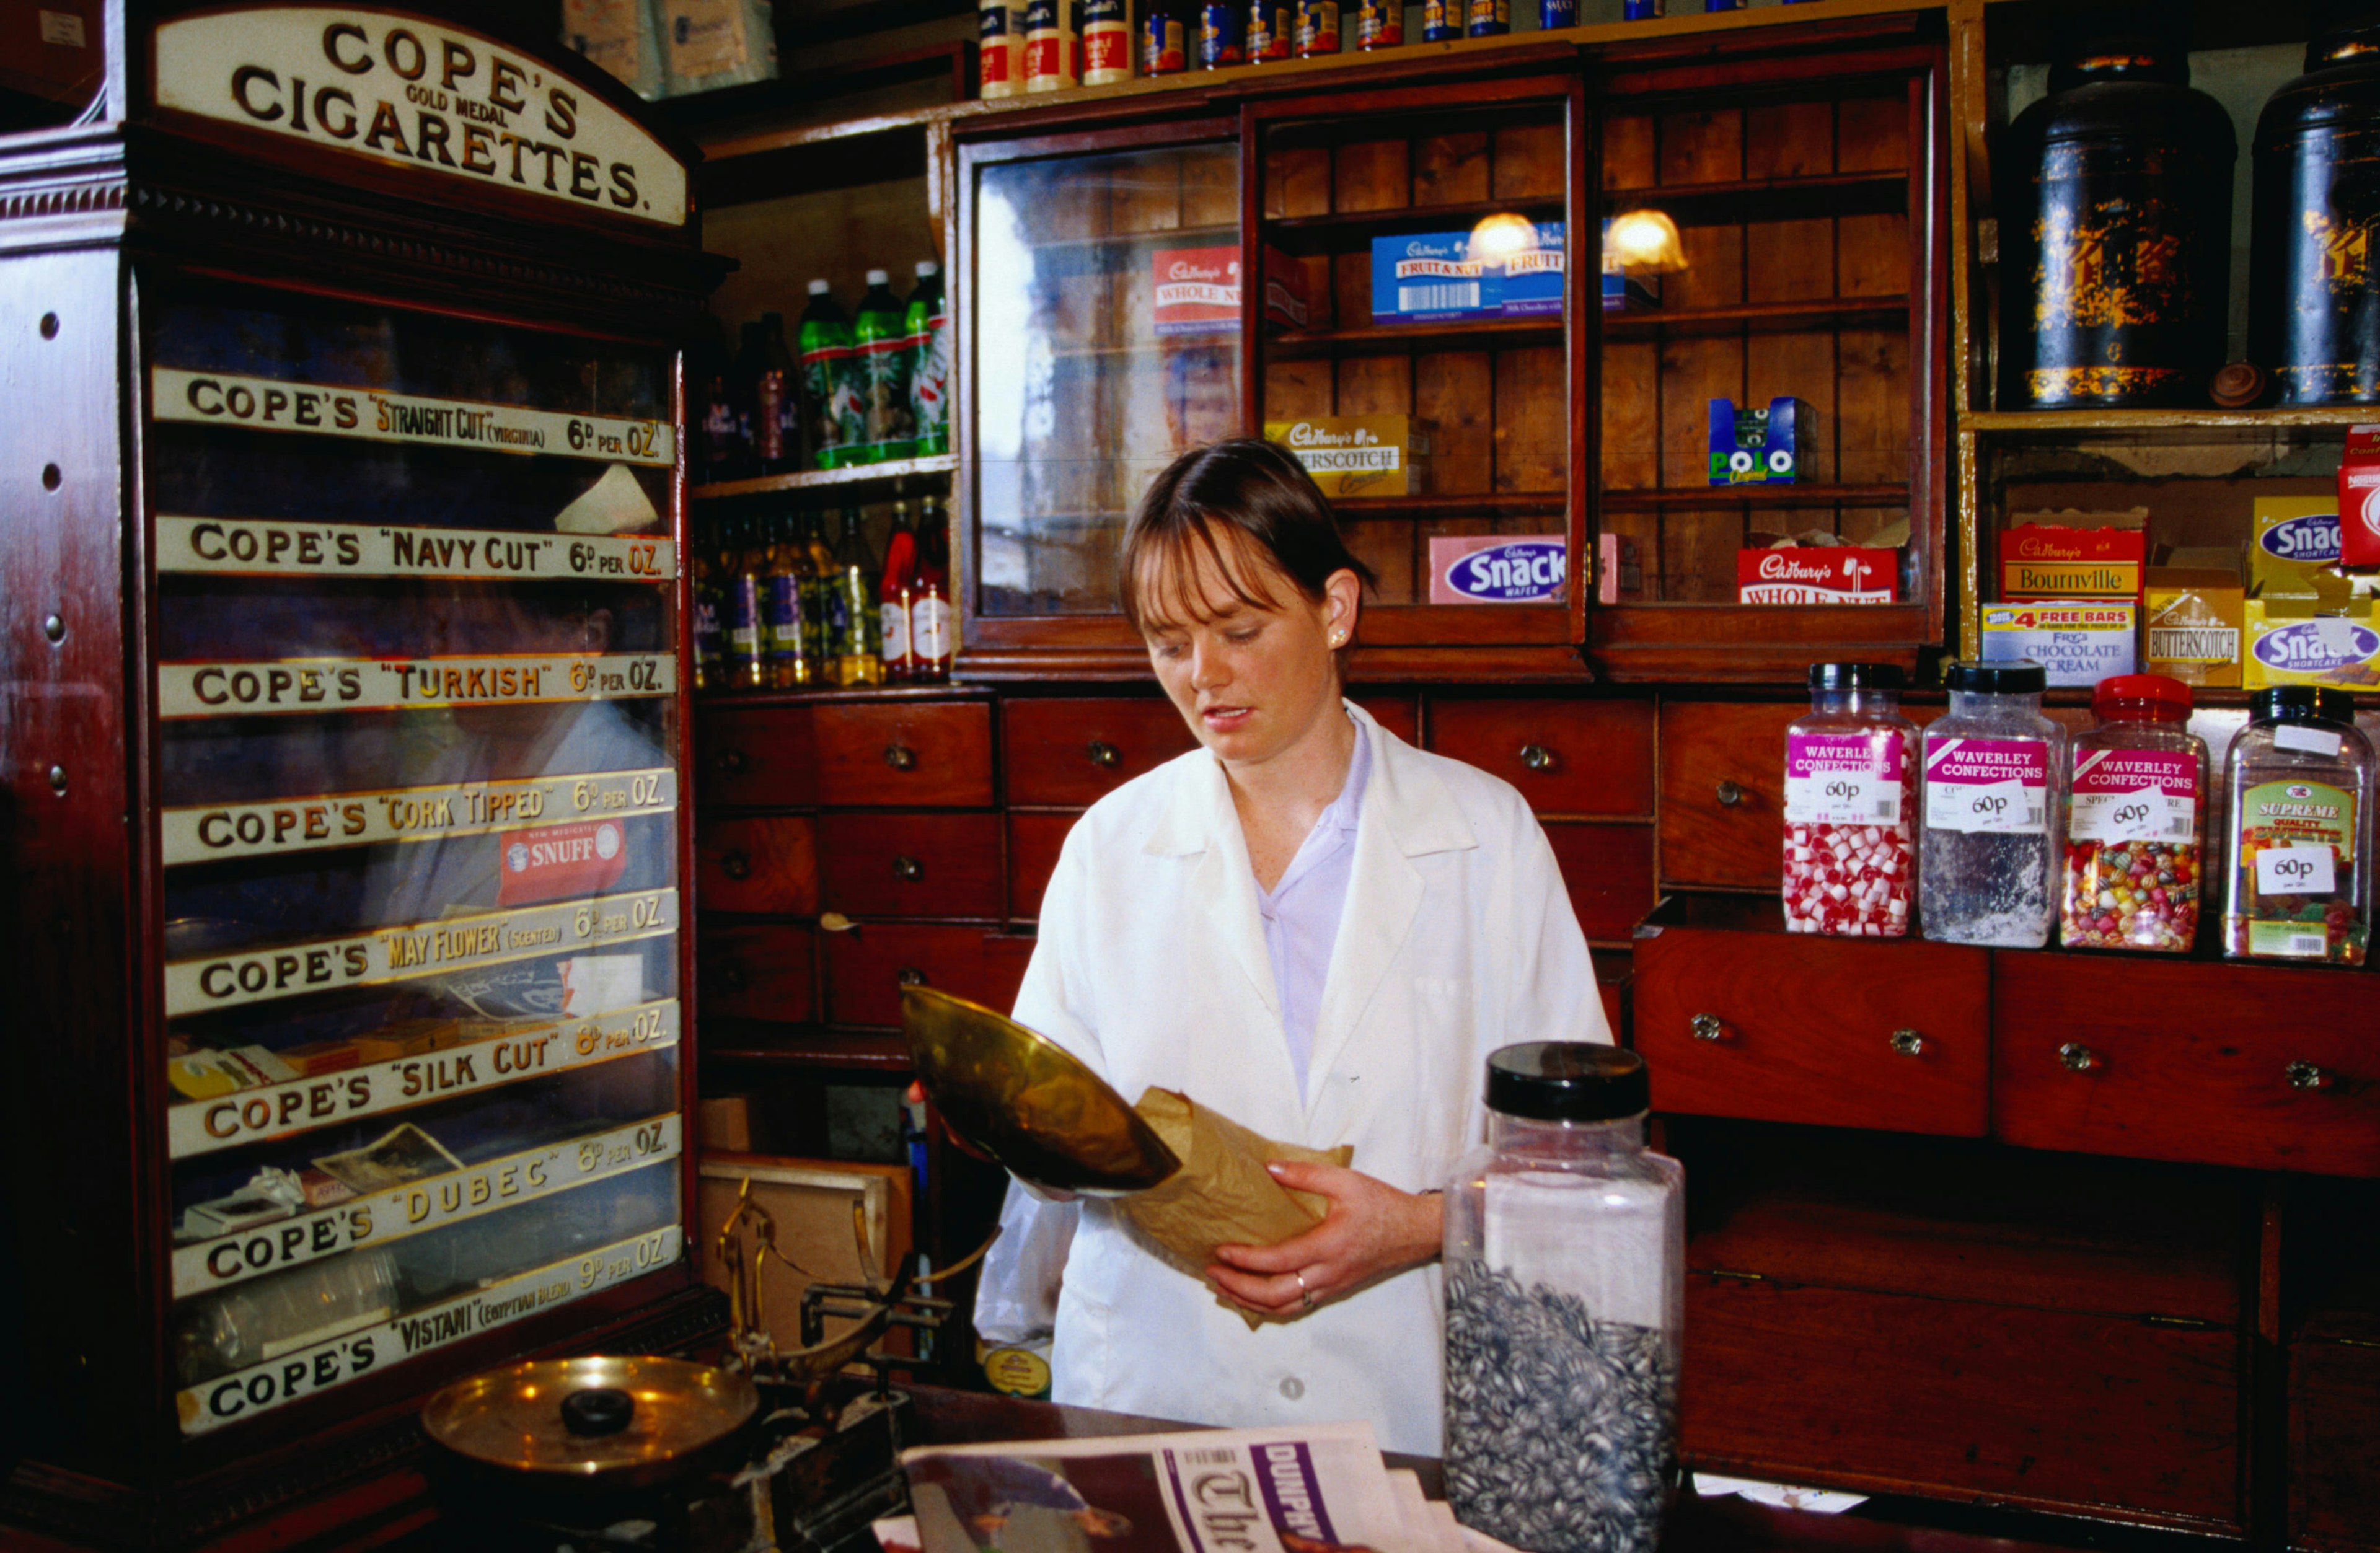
<point>556,861</point>
<point>1842,779</point>
<point>2134,796</point>
<point>2000,787</point>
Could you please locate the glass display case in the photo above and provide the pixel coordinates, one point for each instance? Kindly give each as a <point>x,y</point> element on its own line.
<point>417,688</point>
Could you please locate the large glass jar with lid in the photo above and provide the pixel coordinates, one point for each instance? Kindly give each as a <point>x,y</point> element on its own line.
<point>2136,820</point>
<point>1995,781</point>
<point>1565,1277</point>
<point>1851,806</point>
<point>2298,830</point>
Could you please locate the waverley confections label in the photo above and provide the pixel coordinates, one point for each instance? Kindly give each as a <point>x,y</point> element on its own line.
<point>406,91</point>
<point>275,685</point>
<point>206,832</point>
<point>268,548</point>
<point>1996,785</point>
<point>1842,779</point>
<point>402,953</point>
<point>2134,796</point>
<point>535,1049</point>
<point>376,416</point>
<point>339,1359</point>
<point>419,1205</point>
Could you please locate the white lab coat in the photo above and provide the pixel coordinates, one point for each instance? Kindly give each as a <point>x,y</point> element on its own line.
<point>1151,966</point>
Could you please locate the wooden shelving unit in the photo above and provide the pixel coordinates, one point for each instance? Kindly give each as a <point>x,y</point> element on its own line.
<point>1373,339</point>
<point>855,478</point>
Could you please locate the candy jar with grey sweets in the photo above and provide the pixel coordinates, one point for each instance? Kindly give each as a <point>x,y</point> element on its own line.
<point>1995,773</point>
<point>1565,1277</point>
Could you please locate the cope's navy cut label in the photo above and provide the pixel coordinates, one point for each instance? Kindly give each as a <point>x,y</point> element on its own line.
<point>1523,569</point>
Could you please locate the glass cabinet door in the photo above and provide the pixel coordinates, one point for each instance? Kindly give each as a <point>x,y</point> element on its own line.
<point>1107,340</point>
<point>418,701</point>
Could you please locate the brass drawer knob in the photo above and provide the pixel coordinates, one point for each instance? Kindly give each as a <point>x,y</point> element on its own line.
<point>730,761</point>
<point>1907,1043</point>
<point>1705,1027</point>
<point>735,865</point>
<point>900,756</point>
<point>2302,1075</point>
<point>908,870</point>
<point>910,976</point>
<point>2078,1058</point>
<point>1103,755</point>
<point>1729,795</point>
<point>731,976</point>
<point>1537,756</point>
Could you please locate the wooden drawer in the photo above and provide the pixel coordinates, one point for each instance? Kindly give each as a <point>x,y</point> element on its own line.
<point>2188,1062</point>
<point>1400,715</point>
<point>765,864</point>
<point>1583,758</point>
<point>2334,1467</point>
<point>755,756</point>
<point>1803,1028</point>
<point>758,973</point>
<point>1034,841</point>
<point>1073,750</point>
<point>911,864</point>
<point>904,754</point>
<point>1894,1394</point>
<point>867,967</point>
<point>1608,871</point>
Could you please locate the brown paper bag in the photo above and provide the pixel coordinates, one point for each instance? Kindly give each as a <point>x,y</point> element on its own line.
<point>1223,1195</point>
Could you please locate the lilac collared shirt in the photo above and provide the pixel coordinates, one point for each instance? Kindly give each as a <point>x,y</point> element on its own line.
<point>1301,912</point>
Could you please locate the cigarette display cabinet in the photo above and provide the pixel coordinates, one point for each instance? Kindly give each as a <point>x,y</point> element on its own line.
<point>346,754</point>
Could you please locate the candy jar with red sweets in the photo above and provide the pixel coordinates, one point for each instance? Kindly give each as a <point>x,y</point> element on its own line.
<point>2136,821</point>
<point>1851,806</point>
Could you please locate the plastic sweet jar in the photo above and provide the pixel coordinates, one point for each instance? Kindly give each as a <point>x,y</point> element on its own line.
<point>1994,770</point>
<point>1851,806</point>
<point>2135,821</point>
<point>1565,1271</point>
<point>2298,830</point>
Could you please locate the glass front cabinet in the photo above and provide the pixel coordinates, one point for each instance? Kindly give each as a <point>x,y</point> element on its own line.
<point>346,749</point>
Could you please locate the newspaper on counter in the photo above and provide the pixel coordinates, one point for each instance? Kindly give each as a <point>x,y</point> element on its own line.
<point>1289,1491</point>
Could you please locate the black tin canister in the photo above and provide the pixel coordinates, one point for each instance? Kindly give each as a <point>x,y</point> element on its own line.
<point>2314,292</point>
<point>2114,233</point>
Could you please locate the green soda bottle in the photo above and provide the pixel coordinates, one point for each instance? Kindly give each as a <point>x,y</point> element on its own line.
<point>829,398</point>
<point>881,336</point>
<point>929,361</point>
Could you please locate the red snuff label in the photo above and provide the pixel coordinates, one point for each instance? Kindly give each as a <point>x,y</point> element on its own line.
<point>557,861</point>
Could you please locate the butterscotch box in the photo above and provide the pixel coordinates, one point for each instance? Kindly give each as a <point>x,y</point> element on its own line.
<point>2191,625</point>
<point>1359,455</point>
<point>2065,555</point>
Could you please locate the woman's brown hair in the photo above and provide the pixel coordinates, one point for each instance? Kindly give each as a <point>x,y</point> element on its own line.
<point>1257,488</point>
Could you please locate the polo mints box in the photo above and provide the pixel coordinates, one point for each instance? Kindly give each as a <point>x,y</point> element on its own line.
<point>1432,277</point>
<point>1751,447</point>
<point>2079,641</point>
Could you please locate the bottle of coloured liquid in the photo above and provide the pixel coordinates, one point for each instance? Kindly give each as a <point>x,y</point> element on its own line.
<point>929,361</point>
<point>879,336</point>
<point>894,593</point>
<point>829,391</point>
<point>930,638</point>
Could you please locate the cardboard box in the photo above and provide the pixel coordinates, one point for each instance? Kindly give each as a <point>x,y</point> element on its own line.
<point>1618,571</point>
<point>1197,291</point>
<point>1359,455</point>
<point>1532,279</point>
<point>2047,557</point>
<point>1762,446</point>
<point>2191,624</point>
<point>2293,551</point>
<point>2079,641</point>
<point>1432,277</point>
<point>810,1205</point>
<point>1817,575</point>
<point>2311,641</point>
<point>1627,294</point>
<point>1497,568</point>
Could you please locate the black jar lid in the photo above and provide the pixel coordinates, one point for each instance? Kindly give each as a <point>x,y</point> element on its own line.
<point>1568,1081</point>
<point>1856,676</point>
<point>2019,676</point>
<point>2287,703</point>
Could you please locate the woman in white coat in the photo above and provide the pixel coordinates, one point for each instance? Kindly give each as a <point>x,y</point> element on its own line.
<point>1310,926</point>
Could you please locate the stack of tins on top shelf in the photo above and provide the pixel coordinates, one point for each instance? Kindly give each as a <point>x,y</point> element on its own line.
<point>1806,192</point>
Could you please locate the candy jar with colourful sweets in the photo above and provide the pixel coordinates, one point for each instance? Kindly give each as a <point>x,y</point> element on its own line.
<point>2136,820</point>
<point>1851,806</point>
<point>1994,771</point>
<point>2299,881</point>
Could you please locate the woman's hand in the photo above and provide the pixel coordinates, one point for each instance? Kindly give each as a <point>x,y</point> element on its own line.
<point>1371,1231</point>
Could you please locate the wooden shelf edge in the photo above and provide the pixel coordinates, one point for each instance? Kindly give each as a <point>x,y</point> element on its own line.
<point>823,480</point>
<point>1494,505</point>
<point>1464,211</point>
<point>1823,313</point>
<point>1487,333</point>
<point>2023,421</point>
<point>1886,494</point>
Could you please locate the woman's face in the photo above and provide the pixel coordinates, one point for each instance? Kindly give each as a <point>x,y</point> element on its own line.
<point>1250,679</point>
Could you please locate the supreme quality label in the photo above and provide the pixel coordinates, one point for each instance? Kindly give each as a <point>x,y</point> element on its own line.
<point>196,1127</point>
<point>406,91</point>
<point>415,950</point>
<point>420,1205</point>
<point>317,685</point>
<point>1997,785</point>
<point>1842,779</point>
<point>244,1393</point>
<point>204,832</point>
<point>2300,830</point>
<point>369,415</point>
<point>265,548</point>
<point>2134,796</point>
